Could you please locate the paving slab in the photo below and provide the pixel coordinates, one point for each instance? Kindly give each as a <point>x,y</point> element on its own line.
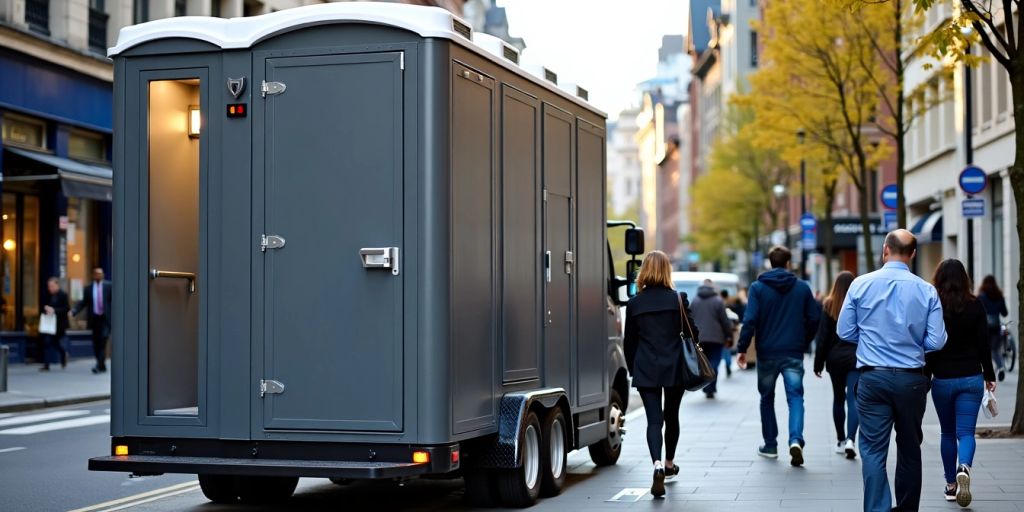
<point>28,388</point>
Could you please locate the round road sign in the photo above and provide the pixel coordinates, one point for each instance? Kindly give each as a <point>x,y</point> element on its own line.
<point>973,180</point>
<point>890,197</point>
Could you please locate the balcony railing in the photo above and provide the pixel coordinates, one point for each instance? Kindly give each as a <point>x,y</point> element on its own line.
<point>37,15</point>
<point>97,30</point>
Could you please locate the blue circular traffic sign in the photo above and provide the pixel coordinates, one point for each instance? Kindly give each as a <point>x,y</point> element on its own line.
<point>973,180</point>
<point>808,222</point>
<point>890,197</point>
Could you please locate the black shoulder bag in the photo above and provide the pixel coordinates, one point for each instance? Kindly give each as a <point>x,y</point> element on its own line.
<point>697,370</point>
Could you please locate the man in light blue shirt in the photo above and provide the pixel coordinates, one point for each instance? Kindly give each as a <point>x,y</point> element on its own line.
<point>895,317</point>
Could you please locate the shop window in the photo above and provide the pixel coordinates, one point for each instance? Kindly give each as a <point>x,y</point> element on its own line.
<point>37,16</point>
<point>81,251</point>
<point>87,146</point>
<point>9,261</point>
<point>29,248</point>
<point>23,131</point>
<point>20,260</point>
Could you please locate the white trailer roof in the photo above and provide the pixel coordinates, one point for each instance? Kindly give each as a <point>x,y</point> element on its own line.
<point>240,33</point>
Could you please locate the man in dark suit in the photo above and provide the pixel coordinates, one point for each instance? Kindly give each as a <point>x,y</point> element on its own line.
<point>96,300</point>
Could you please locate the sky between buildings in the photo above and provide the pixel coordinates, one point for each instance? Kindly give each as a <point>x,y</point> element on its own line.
<point>605,46</point>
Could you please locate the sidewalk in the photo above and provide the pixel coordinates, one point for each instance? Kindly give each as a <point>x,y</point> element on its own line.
<point>29,388</point>
<point>721,471</point>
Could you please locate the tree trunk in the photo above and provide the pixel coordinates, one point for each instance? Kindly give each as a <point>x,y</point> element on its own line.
<point>901,128</point>
<point>865,217</point>
<point>1017,183</point>
<point>830,198</point>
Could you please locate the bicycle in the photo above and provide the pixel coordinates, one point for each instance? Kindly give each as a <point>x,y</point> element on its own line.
<point>1009,347</point>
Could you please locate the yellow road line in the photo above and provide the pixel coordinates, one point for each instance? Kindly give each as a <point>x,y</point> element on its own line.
<point>183,487</point>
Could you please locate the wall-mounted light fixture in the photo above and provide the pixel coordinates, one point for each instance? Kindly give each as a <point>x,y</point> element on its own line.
<point>9,244</point>
<point>194,121</point>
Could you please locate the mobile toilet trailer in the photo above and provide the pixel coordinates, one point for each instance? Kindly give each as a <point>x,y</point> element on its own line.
<point>352,242</point>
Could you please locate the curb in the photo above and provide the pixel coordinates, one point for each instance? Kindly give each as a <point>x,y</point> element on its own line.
<point>42,403</point>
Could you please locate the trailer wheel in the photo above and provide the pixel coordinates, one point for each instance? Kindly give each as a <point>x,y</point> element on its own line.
<point>606,453</point>
<point>520,487</point>
<point>266,489</point>
<point>555,453</point>
<point>219,488</point>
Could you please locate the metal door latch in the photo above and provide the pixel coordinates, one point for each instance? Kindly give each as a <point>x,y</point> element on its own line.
<point>271,387</point>
<point>272,88</point>
<point>547,266</point>
<point>570,260</point>
<point>380,257</point>
<point>271,242</point>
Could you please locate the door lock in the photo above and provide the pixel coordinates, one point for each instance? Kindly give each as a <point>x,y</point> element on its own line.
<point>380,257</point>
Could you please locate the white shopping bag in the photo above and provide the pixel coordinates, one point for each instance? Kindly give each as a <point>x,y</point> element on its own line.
<point>989,405</point>
<point>47,324</point>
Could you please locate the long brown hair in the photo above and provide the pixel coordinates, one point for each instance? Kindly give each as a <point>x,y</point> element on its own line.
<point>953,285</point>
<point>990,288</point>
<point>656,270</point>
<point>834,302</point>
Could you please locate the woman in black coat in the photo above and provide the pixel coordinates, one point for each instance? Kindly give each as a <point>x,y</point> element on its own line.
<point>55,303</point>
<point>840,357</point>
<point>655,358</point>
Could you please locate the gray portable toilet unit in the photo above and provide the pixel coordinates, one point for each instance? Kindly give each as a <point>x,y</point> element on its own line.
<point>351,242</point>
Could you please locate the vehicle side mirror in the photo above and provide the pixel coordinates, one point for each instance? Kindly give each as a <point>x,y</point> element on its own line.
<point>635,241</point>
<point>632,271</point>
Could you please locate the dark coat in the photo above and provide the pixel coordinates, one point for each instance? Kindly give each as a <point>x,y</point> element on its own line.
<point>61,305</point>
<point>101,324</point>
<point>967,351</point>
<point>653,348</point>
<point>781,310</point>
<point>710,316</point>
<point>832,352</point>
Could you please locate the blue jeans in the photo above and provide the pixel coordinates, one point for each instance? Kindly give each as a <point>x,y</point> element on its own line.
<point>957,402</point>
<point>844,385</point>
<point>887,399</point>
<point>714,353</point>
<point>792,371</point>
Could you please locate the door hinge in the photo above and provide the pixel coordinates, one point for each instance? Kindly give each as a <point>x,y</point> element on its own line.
<point>271,242</point>
<point>271,88</point>
<point>401,61</point>
<point>271,387</point>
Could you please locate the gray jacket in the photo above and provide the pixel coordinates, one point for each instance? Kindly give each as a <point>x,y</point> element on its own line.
<point>709,315</point>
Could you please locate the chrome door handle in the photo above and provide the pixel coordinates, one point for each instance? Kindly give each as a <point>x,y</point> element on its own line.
<point>380,257</point>
<point>169,274</point>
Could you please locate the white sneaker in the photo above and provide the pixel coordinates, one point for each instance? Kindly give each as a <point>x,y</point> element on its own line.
<point>848,448</point>
<point>841,447</point>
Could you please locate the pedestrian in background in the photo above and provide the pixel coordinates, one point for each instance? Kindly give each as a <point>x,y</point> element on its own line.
<point>714,326</point>
<point>839,356</point>
<point>735,319</point>
<point>654,357</point>
<point>96,301</point>
<point>957,372</point>
<point>55,303</point>
<point>782,313</point>
<point>995,307</point>
<point>895,317</point>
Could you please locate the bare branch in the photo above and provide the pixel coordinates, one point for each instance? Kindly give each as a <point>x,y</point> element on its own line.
<point>988,28</point>
<point>1008,22</point>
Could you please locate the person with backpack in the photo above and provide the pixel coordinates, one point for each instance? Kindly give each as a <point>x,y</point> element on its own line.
<point>715,329</point>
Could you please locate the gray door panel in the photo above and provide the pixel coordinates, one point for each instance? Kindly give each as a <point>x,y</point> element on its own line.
<point>592,338</point>
<point>558,240</point>
<point>333,169</point>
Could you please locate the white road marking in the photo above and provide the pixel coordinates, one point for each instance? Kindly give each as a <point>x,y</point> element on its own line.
<point>13,449</point>
<point>36,418</point>
<point>57,425</point>
<point>131,500</point>
<point>628,495</point>
<point>154,498</point>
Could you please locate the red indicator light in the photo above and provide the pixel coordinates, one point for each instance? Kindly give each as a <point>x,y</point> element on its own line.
<point>236,110</point>
<point>455,457</point>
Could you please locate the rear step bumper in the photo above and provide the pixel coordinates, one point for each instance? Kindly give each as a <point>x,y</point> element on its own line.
<point>155,464</point>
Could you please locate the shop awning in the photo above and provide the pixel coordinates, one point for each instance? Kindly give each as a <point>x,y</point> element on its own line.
<point>928,227</point>
<point>77,179</point>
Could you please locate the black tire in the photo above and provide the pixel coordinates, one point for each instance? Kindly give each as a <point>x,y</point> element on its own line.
<point>266,489</point>
<point>1010,354</point>
<point>219,488</point>
<point>520,487</point>
<point>555,453</point>
<point>606,452</point>
<point>481,487</point>
<point>341,481</point>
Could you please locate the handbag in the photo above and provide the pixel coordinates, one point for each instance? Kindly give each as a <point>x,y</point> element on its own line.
<point>697,370</point>
<point>47,324</point>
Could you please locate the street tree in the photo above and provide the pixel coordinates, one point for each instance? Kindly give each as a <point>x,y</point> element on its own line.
<point>818,81</point>
<point>992,24</point>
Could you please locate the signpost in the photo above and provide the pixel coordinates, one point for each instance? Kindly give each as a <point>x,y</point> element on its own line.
<point>809,226</point>
<point>973,208</point>
<point>973,180</point>
<point>890,197</point>
<point>890,221</point>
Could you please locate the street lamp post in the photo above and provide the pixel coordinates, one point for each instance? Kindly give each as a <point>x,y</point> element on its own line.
<point>803,201</point>
<point>969,150</point>
<point>780,192</point>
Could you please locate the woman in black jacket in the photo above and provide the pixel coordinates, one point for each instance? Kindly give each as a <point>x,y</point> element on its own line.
<point>995,306</point>
<point>55,303</point>
<point>840,358</point>
<point>655,358</point>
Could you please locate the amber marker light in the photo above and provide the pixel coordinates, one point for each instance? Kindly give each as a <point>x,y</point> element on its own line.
<point>421,457</point>
<point>121,449</point>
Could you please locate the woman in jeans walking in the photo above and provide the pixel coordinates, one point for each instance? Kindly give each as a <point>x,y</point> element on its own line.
<point>960,373</point>
<point>655,359</point>
<point>995,306</point>
<point>840,358</point>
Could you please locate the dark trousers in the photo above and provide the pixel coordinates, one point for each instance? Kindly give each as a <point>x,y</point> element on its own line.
<point>99,344</point>
<point>843,386</point>
<point>658,416</point>
<point>53,342</point>
<point>888,399</point>
<point>714,353</point>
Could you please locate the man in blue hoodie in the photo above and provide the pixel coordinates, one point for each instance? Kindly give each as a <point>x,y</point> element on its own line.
<point>783,314</point>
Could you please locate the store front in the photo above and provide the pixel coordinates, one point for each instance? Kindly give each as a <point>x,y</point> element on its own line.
<point>56,191</point>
